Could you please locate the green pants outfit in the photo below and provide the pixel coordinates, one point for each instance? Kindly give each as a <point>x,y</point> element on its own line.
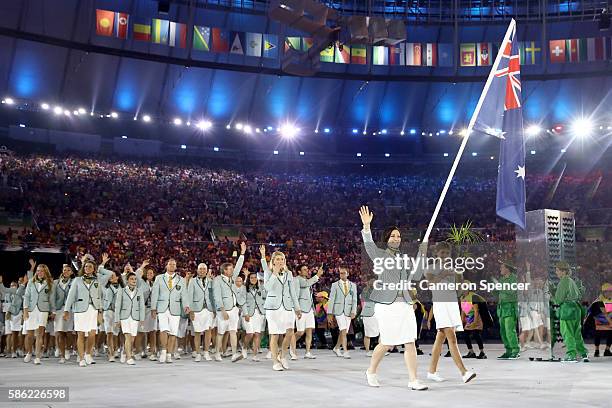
<point>507,312</point>
<point>568,296</point>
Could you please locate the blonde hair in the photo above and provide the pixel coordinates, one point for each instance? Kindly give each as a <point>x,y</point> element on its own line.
<point>82,270</point>
<point>48,276</point>
<point>276,254</point>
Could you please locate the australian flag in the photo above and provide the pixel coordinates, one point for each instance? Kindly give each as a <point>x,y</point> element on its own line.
<point>501,115</point>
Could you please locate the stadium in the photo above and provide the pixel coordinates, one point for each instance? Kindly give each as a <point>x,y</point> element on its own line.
<point>209,202</point>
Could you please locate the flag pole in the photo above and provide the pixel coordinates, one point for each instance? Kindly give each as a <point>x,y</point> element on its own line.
<point>511,27</point>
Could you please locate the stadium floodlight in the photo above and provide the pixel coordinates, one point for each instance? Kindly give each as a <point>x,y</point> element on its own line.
<point>533,130</point>
<point>358,154</point>
<point>464,132</point>
<point>183,147</point>
<point>58,110</point>
<point>228,126</point>
<point>124,137</point>
<point>402,133</point>
<point>67,112</point>
<point>204,124</point>
<point>533,152</point>
<point>146,118</point>
<point>387,155</point>
<point>288,131</point>
<point>582,127</point>
<point>365,132</point>
<point>355,131</point>
<point>276,152</point>
<point>21,125</point>
<point>492,157</point>
<point>384,131</point>
<point>178,121</point>
<point>238,126</point>
<point>82,111</point>
<point>257,130</point>
<point>413,131</point>
<point>563,150</point>
<point>301,153</point>
<point>445,154</point>
<point>216,149</point>
<point>474,154</point>
<point>8,101</point>
<point>114,115</point>
<point>442,131</point>
<point>316,130</point>
<point>247,129</point>
<point>327,130</point>
<point>45,106</point>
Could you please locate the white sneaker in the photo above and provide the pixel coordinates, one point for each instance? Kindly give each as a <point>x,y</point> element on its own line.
<point>153,357</point>
<point>468,376</point>
<point>67,355</point>
<point>372,379</point>
<point>198,358</point>
<point>244,353</point>
<point>346,355</point>
<point>177,356</point>
<point>284,363</point>
<point>56,353</point>
<point>162,356</point>
<point>292,355</point>
<point>369,353</point>
<point>207,356</point>
<point>111,359</point>
<point>236,357</point>
<point>27,358</point>
<point>89,359</point>
<point>309,356</point>
<point>269,355</point>
<point>417,385</point>
<point>338,352</point>
<point>62,360</point>
<point>123,358</point>
<point>13,355</point>
<point>95,353</point>
<point>218,357</point>
<point>255,358</point>
<point>82,363</point>
<point>168,358</point>
<point>137,356</point>
<point>37,361</point>
<point>228,353</point>
<point>131,362</point>
<point>193,354</point>
<point>435,377</point>
<point>277,367</point>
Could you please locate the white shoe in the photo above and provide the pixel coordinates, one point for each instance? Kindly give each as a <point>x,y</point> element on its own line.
<point>137,356</point>
<point>198,358</point>
<point>269,355</point>
<point>435,377</point>
<point>468,376</point>
<point>67,355</point>
<point>37,361</point>
<point>82,363</point>
<point>177,356</point>
<point>89,359</point>
<point>218,357</point>
<point>13,355</point>
<point>338,352</point>
<point>168,358</point>
<point>292,355</point>
<point>255,358</point>
<point>56,353</point>
<point>228,353</point>
<point>95,353</point>
<point>372,379</point>
<point>277,367</point>
<point>193,354</point>
<point>244,353</point>
<point>131,362</point>
<point>284,363</point>
<point>111,359</point>
<point>237,357</point>
<point>27,358</point>
<point>346,355</point>
<point>62,360</point>
<point>207,356</point>
<point>152,357</point>
<point>369,353</point>
<point>162,356</point>
<point>309,356</point>
<point>417,385</point>
<point>123,358</point>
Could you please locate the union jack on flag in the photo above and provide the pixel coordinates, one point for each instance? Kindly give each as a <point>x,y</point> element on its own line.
<point>512,70</point>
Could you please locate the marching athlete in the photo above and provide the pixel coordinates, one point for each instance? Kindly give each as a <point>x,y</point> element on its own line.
<point>129,312</point>
<point>63,328</point>
<point>343,307</point>
<point>37,305</point>
<point>201,316</point>
<point>306,323</point>
<point>254,313</point>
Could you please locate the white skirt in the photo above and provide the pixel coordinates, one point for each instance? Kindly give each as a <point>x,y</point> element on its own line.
<point>447,314</point>
<point>61,325</point>
<point>14,324</point>
<point>36,319</point>
<point>532,321</point>
<point>370,326</point>
<point>396,322</point>
<point>129,326</point>
<point>109,322</point>
<point>86,321</point>
<point>254,324</point>
<point>280,320</point>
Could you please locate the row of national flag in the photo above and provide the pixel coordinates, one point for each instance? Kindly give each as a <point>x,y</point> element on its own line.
<point>581,50</point>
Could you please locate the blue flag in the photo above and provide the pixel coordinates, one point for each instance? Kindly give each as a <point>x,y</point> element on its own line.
<point>501,115</point>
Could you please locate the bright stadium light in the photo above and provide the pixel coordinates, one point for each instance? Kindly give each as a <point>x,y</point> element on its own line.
<point>228,126</point>
<point>204,124</point>
<point>582,127</point>
<point>445,154</point>
<point>276,152</point>
<point>146,118</point>
<point>387,155</point>
<point>533,152</point>
<point>384,131</point>
<point>67,112</point>
<point>327,130</point>
<point>358,154</point>
<point>114,115</point>
<point>45,106</point>
<point>413,131</point>
<point>82,111</point>
<point>474,154</point>
<point>257,130</point>
<point>238,126</point>
<point>247,129</point>
<point>533,130</point>
<point>124,137</point>
<point>178,121</point>
<point>288,131</point>
<point>8,101</point>
<point>58,110</point>
<point>402,133</point>
<point>183,147</point>
<point>442,131</point>
<point>355,131</point>
<point>216,149</point>
<point>301,153</point>
<point>316,130</point>
<point>365,132</point>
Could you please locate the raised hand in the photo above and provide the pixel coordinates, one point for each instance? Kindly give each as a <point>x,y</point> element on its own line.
<point>144,264</point>
<point>243,248</point>
<point>32,264</point>
<point>320,271</point>
<point>366,216</point>
<point>105,258</point>
<point>262,250</point>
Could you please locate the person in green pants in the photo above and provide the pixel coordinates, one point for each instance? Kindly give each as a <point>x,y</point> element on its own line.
<point>567,296</point>
<point>507,313</point>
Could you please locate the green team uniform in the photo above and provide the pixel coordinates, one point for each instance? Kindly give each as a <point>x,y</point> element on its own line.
<point>567,296</point>
<point>507,312</point>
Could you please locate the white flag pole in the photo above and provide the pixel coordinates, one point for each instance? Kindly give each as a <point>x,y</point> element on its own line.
<point>511,28</point>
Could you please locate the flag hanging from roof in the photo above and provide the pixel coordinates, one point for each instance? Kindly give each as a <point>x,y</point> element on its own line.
<point>327,55</point>
<point>467,55</point>
<point>201,38</point>
<point>359,54</point>
<point>501,115</point>
<point>414,54</point>
<point>596,49</point>
<point>307,43</point>
<point>121,25</point>
<point>397,54</point>
<point>220,40</point>
<point>238,39</point>
<point>445,54</point>
<point>161,30</point>
<point>178,35</point>
<point>557,51</point>
<point>270,49</point>
<point>293,43</point>
<point>484,54</point>
<point>576,50</point>
<point>105,22</point>
<point>431,55</point>
<point>342,56</point>
<point>380,55</point>
<point>253,44</point>
<point>530,53</point>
